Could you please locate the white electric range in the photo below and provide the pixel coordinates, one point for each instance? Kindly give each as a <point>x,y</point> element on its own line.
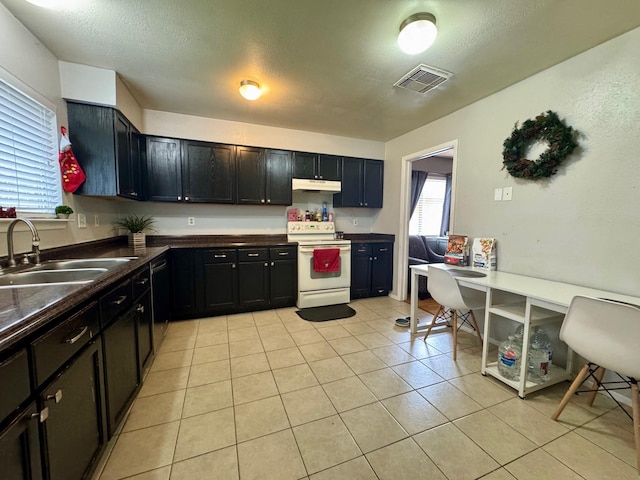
<point>317,288</point>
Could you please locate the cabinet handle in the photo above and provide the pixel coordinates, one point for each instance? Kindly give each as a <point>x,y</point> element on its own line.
<point>140,309</point>
<point>56,396</point>
<point>262,201</point>
<point>120,300</point>
<point>370,259</point>
<point>42,415</point>
<point>375,258</point>
<point>366,204</point>
<point>360,203</point>
<point>283,254</point>
<point>134,194</point>
<point>272,264</point>
<point>253,254</point>
<point>233,265</point>
<point>73,340</point>
<point>266,264</point>
<point>220,256</point>
<point>268,200</point>
<point>186,199</point>
<point>143,281</point>
<point>315,176</point>
<point>383,249</point>
<point>179,197</point>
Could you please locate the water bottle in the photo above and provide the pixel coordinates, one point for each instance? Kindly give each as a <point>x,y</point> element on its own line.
<point>325,218</point>
<point>540,355</point>
<point>509,357</point>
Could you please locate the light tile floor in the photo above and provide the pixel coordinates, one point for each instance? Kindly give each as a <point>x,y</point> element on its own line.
<point>270,396</point>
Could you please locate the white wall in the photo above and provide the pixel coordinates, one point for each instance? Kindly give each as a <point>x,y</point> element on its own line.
<point>579,226</point>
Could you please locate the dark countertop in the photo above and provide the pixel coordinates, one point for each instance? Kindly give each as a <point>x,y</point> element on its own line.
<point>25,310</point>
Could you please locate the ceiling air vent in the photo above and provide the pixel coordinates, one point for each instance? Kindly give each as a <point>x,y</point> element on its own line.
<point>423,78</point>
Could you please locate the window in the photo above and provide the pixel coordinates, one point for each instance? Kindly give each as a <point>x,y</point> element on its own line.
<point>29,171</point>
<point>427,217</point>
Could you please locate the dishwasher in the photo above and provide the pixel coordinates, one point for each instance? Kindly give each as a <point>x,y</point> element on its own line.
<point>161,299</point>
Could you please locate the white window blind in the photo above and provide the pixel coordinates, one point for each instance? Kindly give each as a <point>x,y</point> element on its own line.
<point>427,217</point>
<point>29,171</point>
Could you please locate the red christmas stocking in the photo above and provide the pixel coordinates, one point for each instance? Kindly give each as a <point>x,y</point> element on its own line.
<point>72,174</point>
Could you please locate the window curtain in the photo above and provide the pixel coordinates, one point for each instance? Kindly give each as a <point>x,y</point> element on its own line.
<point>446,208</point>
<point>417,183</point>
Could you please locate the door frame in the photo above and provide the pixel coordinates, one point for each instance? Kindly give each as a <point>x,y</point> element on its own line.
<point>405,194</point>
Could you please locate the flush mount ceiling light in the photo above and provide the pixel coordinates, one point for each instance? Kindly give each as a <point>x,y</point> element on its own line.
<point>250,89</point>
<point>417,33</point>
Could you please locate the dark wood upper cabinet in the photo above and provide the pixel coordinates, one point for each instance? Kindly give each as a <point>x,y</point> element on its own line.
<point>208,172</point>
<point>164,172</point>
<point>315,166</point>
<point>362,183</point>
<point>264,176</point>
<point>104,142</point>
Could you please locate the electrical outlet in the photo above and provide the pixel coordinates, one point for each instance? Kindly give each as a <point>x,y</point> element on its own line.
<point>191,221</point>
<point>355,221</point>
<point>507,194</point>
<point>96,221</point>
<point>82,220</point>
<point>497,194</point>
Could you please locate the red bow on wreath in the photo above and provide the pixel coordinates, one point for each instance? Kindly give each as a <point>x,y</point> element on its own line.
<point>72,174</point>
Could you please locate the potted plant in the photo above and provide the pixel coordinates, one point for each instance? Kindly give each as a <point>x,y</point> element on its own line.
<point>63,211</point>
<point>136,225</point>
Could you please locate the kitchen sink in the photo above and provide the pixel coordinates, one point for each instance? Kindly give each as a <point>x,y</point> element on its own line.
<point>34,278</point>
<point>80,263</point>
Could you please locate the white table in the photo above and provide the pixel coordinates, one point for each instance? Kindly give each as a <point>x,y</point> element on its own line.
<point>531,301</point>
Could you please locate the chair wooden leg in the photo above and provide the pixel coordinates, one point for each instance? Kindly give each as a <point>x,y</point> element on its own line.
<point>572,389</point>
<point>433,322</point>
<point>475,325</point>
<point>598,375</point>
<point>636,419</point>
<point>455,334</point>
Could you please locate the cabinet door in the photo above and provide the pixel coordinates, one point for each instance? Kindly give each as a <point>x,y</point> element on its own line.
<point>253,285</point>
<point>208,172</point>
<point>251,175</point>
<point>136,164</point>
<point>283,283</point>
<point>161,299</point>
<point>382,269</point>
<point>20,448</point>
<point>278,185</point>
<point>220,287</point>
<point>373,181</point>
<point>145,329</point>
<point>304,165</point>
<point>352,174</point>
<point>183,284</point>
<point>74,429</point>
<point>360,276</point>
<point>164,181</point>
<point>121,367</point>
<point>123,156</point>
<point>329,167</point>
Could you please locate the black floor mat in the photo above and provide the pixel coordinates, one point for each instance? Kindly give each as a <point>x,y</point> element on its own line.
<point>330,312</point>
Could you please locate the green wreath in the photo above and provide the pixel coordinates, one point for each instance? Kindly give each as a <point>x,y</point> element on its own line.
<point>548,127</point>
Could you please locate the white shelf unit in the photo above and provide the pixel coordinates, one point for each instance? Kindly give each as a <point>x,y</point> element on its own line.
<point>531,313</point>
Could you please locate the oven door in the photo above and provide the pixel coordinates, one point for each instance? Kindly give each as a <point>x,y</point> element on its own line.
<point>310,280</point>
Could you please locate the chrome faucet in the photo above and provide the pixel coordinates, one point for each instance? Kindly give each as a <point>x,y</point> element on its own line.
<point>35,241</point>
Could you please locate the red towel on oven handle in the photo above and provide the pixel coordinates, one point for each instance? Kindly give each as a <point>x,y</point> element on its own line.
<point>326,260</point>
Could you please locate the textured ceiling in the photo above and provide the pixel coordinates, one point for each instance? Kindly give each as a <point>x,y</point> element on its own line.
<point>326,65</point>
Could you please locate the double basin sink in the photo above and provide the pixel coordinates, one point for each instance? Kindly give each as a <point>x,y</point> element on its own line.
<point>60,272</point>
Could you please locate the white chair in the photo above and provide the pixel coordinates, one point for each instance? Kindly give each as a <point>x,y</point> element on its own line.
<point>607,334</point>
<point>445,290</point>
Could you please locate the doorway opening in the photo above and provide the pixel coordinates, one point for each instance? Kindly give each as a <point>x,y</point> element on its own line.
<point>438,161</point>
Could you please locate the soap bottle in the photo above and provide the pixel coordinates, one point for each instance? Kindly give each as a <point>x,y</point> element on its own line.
<point>325,217</point>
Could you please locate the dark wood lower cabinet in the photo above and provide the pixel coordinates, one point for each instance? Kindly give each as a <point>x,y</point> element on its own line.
<point>183,285</point>
<point>121,366</point>
<point>145,329</point>
<point>371,269</point>
<point>220,286</point>
<point>283,282</point>
<point>20,447</point>
<point>253,285</point>
<point>74,429</point>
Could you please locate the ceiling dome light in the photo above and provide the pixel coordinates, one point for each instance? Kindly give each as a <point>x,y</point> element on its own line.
<point>417,33</point>
<point>250,89</point>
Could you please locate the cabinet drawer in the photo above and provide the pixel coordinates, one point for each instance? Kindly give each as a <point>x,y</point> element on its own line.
<point>220,256</point>
<point>358,249</point>
<point>115,302</point>
<point>52,350</point>
<point>14,382</point>
<point>283,253</point>
<point>253,255</point>
<point>383,249</point>
<point>141,282</point>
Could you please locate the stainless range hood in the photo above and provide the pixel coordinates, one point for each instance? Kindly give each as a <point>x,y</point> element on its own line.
<point>299,184</point>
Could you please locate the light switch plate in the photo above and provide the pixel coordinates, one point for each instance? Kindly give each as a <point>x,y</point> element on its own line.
<point>507,194</point>
<point>82,220</point>
<point>497,194</point>
<point>191,221</point>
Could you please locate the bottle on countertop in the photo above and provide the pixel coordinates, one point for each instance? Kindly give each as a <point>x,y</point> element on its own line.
<point>307,216</point>
<point>331,216</point>
<point>325,217</point>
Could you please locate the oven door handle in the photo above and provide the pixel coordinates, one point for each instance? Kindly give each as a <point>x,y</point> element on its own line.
<point>310,250</point>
